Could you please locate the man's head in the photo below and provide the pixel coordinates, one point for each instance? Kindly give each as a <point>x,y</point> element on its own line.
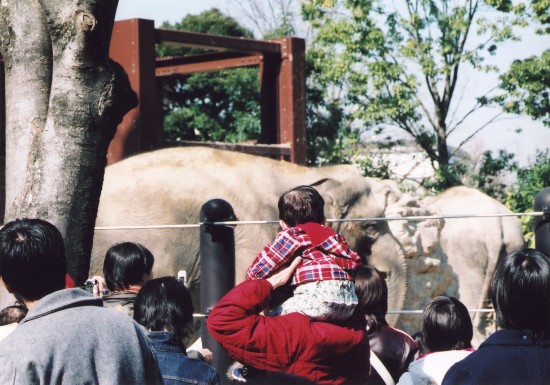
<point>300,205</point>
<point>32,258</point>
<point>520,291</point>
<point>127,263</point>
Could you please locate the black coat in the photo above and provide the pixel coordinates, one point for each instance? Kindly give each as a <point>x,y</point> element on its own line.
<point>507,357</point>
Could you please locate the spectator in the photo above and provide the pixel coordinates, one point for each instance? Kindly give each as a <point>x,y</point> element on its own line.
<point>447,333</point>
<point>322,352</point>
<point>391,348</point>
<point>10,317</point>
<point>67,337</point>
<point>127,266</point>
<point>164,307</point>
<point>323,286</point>
<point>519,353</point>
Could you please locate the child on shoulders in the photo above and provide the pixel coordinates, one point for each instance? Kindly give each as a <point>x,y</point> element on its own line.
<point>322,285</point>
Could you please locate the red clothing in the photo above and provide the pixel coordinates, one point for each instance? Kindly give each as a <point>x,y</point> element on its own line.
<point>326,255</point>
<point>319,351</point>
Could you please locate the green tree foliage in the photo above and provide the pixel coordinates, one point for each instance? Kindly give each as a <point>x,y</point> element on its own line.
<point>396,66</point>
<point>490,174</point>
<point>531,179</point>
<point>527,86</point>
<point>213,106</point>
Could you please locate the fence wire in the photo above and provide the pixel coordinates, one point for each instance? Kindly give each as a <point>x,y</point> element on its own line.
<point>375,219</point>
<point>275,222</point>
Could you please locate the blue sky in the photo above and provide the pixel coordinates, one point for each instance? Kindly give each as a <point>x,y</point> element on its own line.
<point>500,135</point>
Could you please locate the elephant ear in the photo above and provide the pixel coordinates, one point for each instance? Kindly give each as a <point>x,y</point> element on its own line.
<point>337,200</point>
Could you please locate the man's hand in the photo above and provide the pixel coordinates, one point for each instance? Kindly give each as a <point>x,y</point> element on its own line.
<point>280,277</point>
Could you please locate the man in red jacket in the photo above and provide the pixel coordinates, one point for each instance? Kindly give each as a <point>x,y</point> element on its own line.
<point>325,353</point>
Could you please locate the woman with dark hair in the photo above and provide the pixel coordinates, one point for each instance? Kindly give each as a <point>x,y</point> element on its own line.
<point>164,307</point>
<point>519,353</point>
<point>127,266</point>
<point>390,347</point>
<point>447,333</point>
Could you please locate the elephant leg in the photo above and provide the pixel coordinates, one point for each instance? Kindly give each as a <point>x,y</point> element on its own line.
<point>481,320</point>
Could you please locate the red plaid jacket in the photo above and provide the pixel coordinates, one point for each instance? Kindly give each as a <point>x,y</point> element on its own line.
<point>326,255</point>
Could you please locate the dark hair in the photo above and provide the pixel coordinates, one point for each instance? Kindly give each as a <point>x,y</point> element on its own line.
<point>300,205</point>
<point>125,264</point>
<point>520,291</point>
<point>32,258</point>
<point>372,292</point>
<point>446,325</point>
<point>13,313</point>
<point>165,304</point>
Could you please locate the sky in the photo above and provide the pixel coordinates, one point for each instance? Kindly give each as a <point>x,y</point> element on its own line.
<point>501,135</point>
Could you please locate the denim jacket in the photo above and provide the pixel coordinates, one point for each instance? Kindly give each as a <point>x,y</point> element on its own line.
<point>176,368</point>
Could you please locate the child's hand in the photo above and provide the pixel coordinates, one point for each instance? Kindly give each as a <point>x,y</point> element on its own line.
<point>280,277</point>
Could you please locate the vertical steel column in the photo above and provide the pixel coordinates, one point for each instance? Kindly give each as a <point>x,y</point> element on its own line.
<point>292,98</point>
<point>133,47</point>
<point>217,271</point>
<point>542,224</point>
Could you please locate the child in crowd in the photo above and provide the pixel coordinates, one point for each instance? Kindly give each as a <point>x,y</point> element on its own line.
<point>322,286</point>
<point>10,317</point>
<point>447,333</point>
<point>164,307</point>
<point>127,266</point>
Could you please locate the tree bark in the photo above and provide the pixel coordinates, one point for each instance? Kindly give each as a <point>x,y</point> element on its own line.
<point>66,145</point>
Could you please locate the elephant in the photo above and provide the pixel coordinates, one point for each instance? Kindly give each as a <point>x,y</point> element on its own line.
<point>473,245</point>
<point>169,186</point>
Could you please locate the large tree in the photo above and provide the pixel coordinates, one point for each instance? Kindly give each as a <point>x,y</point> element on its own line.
<point>64,100</point>
<point>398,65</point>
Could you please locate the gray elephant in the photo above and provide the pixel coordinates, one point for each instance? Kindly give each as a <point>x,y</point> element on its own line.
<point>170,186</point>
<point>475,245</point>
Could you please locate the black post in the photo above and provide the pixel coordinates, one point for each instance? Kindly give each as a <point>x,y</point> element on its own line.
<point>217,271</point>
<point>542,224</point>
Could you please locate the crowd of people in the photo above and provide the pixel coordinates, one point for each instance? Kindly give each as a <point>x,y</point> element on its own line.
<point>309,312</point>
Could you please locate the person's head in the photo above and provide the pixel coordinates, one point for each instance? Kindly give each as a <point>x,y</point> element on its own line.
<point>126,264</point>
<point>13,314</point>
<point>372,292</point>
<point>32,258</point>
<point>520,291</point>
<point>300,205</point>
<point>164,304</point>
<point>446,325</point>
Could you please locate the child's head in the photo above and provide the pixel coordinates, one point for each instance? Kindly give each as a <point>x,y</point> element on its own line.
<point>164,304</point>
<point>300,205</point>
<point>127,263</point>
<point>446,325</point>
<point>12,314</point>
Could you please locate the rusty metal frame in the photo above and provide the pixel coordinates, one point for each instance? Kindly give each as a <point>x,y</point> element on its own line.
<point>282,85</point>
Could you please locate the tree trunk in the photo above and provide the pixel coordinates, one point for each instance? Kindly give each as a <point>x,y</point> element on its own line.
<point>85,95</point>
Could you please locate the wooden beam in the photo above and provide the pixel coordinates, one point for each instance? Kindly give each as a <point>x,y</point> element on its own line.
<point>216,42</point>
<point>205,63</point>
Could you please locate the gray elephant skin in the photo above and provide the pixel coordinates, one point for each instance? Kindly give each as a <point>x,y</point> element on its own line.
<point>475,245</point>
<point>170,186</point>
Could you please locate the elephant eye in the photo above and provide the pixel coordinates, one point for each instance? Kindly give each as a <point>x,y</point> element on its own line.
<point>370,229</point>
